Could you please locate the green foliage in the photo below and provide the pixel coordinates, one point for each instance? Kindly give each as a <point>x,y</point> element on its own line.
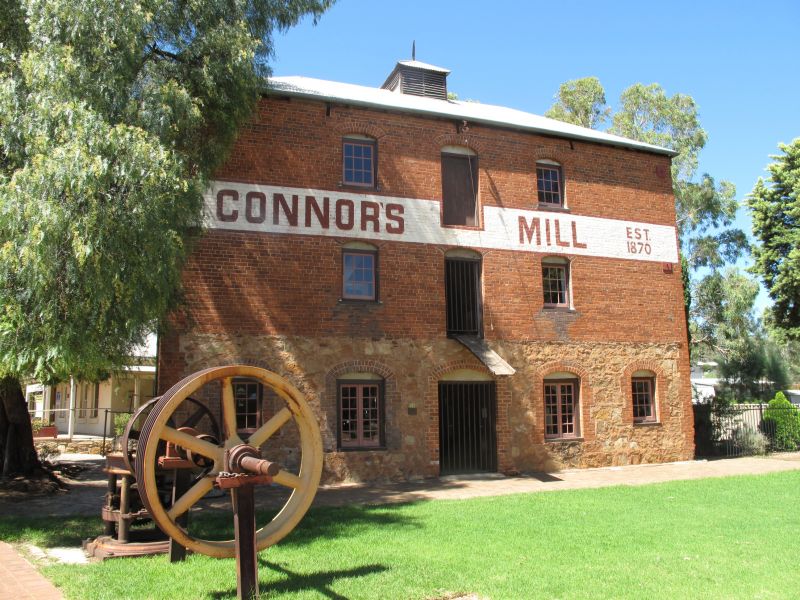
<point>749,442</point>
<point>47,451</point>
<point>581,102</point>
<point>783,418</point>
<point>704,209</point>
<point>113,116</point>
<point>36,425</point>
<point>775,209</point>
<point>120,422</point>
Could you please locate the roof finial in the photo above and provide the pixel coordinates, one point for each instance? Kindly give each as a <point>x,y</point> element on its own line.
<point>414,50</point>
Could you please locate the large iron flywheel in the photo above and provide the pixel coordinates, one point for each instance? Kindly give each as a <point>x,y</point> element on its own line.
<point>159,429</point>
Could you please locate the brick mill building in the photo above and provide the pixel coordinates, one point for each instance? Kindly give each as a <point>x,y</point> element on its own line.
<point>455,287</point>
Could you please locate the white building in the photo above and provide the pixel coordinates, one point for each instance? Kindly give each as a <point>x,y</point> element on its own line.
<point>85,408</point>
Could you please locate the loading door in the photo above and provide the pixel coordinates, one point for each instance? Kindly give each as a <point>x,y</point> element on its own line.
<point>467,436</point>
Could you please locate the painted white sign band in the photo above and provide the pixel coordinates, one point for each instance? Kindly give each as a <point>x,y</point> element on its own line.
<point>301,211</point>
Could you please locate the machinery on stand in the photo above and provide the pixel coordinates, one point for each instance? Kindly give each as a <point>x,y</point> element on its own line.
<point>227,462</point>
<point>123,506</point>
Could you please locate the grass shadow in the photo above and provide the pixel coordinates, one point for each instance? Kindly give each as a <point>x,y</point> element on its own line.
<point>327,522</point>
<point>297,582</point>
<point>50,532</point>
<point>322,522</point>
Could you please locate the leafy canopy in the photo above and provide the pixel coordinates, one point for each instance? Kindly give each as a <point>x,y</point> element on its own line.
<point>775,208</point>
<point>704,209</point>
<point>581,102</point>
<point>113,115</point>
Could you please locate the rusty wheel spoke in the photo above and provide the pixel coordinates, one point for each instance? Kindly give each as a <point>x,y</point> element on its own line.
<point>191,497</point>
<point>195,418</point>
<point>267,430</point>
<point>190,442</point>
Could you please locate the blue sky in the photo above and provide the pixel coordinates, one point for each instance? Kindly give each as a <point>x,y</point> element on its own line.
<point>740,61</point>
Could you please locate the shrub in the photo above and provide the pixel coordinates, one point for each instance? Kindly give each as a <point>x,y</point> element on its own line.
<point>36,425</point>
<point>749,441</point>
<point>782,420</point>
<point>120,421</point>
<point>47,451</point>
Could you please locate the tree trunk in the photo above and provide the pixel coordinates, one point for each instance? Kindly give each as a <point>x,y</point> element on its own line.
<point>17,451</point>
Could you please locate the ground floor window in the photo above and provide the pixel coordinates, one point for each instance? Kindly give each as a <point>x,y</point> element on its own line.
<point>248,395</point>
<point>360,415</point>
<point>561,415</point>
<point>642,391</point>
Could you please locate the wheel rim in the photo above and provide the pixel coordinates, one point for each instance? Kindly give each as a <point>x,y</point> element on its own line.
<point>303,484</point>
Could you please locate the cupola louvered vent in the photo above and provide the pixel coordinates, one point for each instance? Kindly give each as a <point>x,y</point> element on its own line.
<point>418,79</point>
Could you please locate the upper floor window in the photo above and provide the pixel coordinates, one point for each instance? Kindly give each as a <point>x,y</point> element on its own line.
<point>561,406</point>
<point>360,413</point>
<point>555,282</point>
<point>459,186</point>
<point>549,183</point>
<point>359,272</point>
<point>643,397</point>
<point>358,161</point>
<point>462,290</point>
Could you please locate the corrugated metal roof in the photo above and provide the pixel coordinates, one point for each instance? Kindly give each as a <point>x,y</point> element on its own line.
<point>473,112</point>
<point>421,65</point>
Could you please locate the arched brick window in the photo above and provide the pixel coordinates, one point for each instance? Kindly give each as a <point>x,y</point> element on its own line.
<point>562,412</point>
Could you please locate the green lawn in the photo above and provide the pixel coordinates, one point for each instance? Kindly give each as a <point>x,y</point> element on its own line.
<point>714,538</point>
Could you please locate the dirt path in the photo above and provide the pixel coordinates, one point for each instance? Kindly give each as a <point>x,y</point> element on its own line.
<point>88,488</point>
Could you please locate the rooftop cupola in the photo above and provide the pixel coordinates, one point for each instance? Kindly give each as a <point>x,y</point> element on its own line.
<point>418,79</point>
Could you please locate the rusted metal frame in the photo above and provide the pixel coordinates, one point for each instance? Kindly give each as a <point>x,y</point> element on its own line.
<point>180,485</point>
<point>244,527</point>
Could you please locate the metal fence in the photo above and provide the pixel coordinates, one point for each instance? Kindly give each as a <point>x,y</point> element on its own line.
<point>745,429</point>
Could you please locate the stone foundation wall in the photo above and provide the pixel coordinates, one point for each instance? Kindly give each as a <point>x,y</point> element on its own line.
<point>411,369</point>
<point>76,446</point>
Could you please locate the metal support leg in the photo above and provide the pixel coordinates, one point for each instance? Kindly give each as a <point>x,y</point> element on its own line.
<point>124,509</point>
<point>180,484</point>
<point>112,491</point>
<point>244,525</point>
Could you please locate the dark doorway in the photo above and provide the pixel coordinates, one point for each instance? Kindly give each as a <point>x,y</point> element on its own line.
<point>462,288</point>
<point>467,436</point>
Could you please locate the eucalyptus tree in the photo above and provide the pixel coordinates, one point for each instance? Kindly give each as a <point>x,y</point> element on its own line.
<point>114,114</point>
<point>705,210</point>
<point>775,207</point>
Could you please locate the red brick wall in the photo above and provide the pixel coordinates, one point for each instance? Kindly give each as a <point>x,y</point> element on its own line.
<point>244,285</point>
<point>248,283</point>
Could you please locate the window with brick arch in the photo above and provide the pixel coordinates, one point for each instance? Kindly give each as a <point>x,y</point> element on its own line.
<point>561,408</point>
<point>550,183</point>
<point>249,397</point>
<point>359,161</point>
<point>555,283</point>
<point>360,414</point>
<point>643,387</point>
<point>359,272</point>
